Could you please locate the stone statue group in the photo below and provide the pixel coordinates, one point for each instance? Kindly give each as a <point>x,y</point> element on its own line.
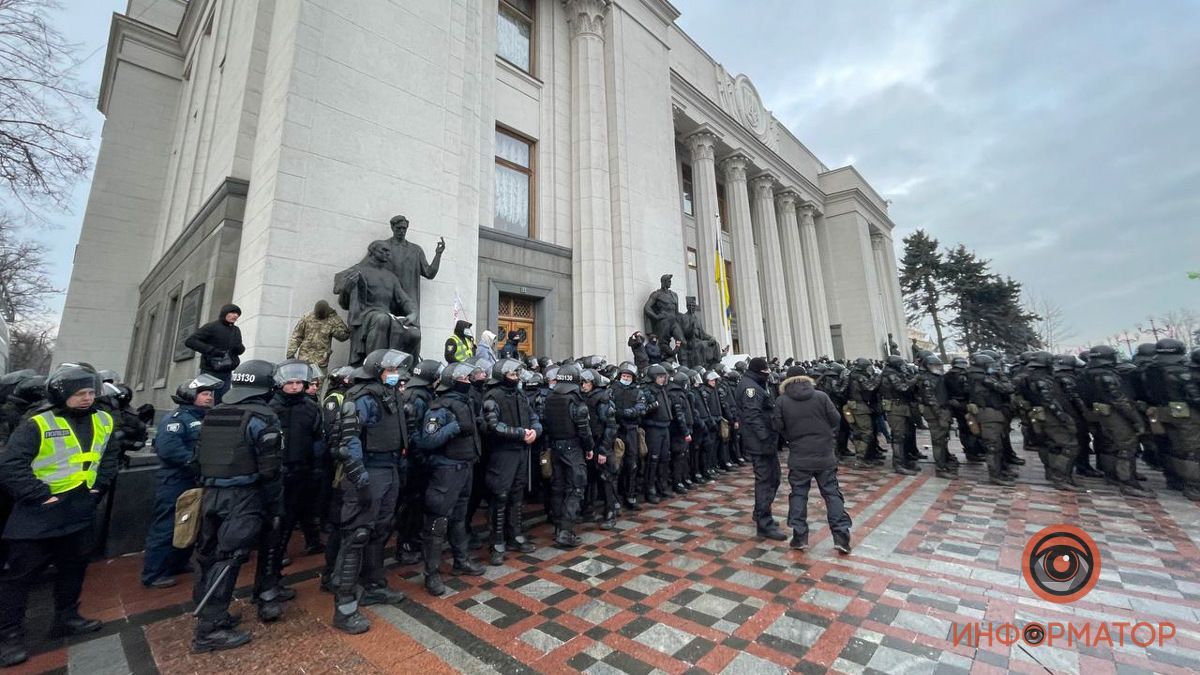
<point>382,294</point>
<point>696,348</point>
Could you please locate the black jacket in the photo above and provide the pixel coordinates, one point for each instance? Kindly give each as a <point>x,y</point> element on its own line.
<point>757,408</point>
<point>31,517</point>
<point>807,421</point>
<point>216,339</point>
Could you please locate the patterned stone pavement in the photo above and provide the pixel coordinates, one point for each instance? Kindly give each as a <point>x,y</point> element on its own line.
<point>686,587</point>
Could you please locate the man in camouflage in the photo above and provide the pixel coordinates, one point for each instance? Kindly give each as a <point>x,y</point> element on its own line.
<point>314,334</point>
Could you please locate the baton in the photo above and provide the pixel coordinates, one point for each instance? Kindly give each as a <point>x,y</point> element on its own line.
<point>211,589</point>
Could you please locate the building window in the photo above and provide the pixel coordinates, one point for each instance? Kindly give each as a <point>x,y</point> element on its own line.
<point>514,33</point>
<point>167,349</point>
<point>152,330</point>
<point>514,184</point>
<point>722,211</point>
<point>687,190</point>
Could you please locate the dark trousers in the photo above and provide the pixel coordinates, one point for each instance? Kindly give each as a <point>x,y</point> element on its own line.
<point>301,498</point>
<point>505,480</point>
<point>410,512</point>
<point>372,508</point>
<point>658,458</point>
<point>27,558</point>
<point>479,489</point>
<point>627,481</point>
<point>767,475</point>
<point>161,558</point>
<point>835,504</point>
<point>679,459</point>
<point>446,499</point>
<point>229,530</point>
<point>568,484</point>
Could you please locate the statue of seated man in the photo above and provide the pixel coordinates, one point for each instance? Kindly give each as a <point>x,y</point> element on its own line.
<point>381,314</point>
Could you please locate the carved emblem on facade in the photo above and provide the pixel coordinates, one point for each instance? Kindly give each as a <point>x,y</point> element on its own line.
<point>739,98</point>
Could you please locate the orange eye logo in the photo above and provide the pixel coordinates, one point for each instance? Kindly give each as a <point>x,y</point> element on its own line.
<point>1061,563</point>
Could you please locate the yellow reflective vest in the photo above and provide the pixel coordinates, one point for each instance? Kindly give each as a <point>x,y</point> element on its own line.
<point>462,348</point>
<point>61,463</point>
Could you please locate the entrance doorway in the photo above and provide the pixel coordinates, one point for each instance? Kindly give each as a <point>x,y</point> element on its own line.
<point>517,313</point>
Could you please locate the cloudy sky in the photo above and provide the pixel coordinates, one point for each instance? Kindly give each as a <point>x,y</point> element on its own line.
<point>1060,139</point>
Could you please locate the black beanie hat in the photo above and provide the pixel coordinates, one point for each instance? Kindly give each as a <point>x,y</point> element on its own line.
<point>759,365</point>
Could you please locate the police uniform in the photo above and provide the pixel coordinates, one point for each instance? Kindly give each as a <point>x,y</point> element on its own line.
<point>410,509</point>
<point>507,415</point>
<point>629,406</point>
<point>657,425</point>
<point>933,400</point>
<point>601,478</point>
<point>1051,421</point>
<point>175,445</point>
<point>989,395</point>
<point>303,460</point>
<point>761,442</point>
<point>894,390</point>
<point>61,454</point>
<point>1175,394</point>
<point>861,392</point>
<point>681,431</point>
<point>570,440</point>
<point>240,454</point>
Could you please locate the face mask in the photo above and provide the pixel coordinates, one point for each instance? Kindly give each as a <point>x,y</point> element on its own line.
<point>392,380</point>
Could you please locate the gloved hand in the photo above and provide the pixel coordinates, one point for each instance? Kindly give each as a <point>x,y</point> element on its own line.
<point>654,405</point>
<point>356,473</point>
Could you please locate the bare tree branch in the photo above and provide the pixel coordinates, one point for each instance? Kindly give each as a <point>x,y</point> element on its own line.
<point>1050,325</point>
<point>24,283</point>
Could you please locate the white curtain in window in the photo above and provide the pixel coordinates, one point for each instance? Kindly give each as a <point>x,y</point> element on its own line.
<point>513,32</point>
<point>512,201</point>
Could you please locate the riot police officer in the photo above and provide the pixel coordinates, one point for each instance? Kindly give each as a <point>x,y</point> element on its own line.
<point>959,389</point>
<point>1051,420</point>
<point>511,427</point>
<point>1175,393</point>
<point>450,439</point>
<point>988,394</point>
<point>55,484</point>
<point>602,420</point>
<point>569,436</point>
<point>240,454</point>
<point>657,425</point>
<point>418,395</point>
<point>373,440</point>
<point>303,457</point>
<point>629,406</point>
<point>761,442</point>
<point>894,391</point>
<point>933,400</point>
<point>862,389</point>
<point>1118,420</point>
<point>175,445</point>
<point>681,432</point>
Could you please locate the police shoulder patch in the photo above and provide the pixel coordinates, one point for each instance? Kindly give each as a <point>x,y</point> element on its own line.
<point>174,427</point>
<point>432,425</point>
<point>749,392</point>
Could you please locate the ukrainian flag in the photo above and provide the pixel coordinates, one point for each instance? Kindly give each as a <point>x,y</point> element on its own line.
<point>723,286</point>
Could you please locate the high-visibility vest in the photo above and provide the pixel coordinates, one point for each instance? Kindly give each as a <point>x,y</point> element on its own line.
<point>61,463</point>
<point>462,348</point>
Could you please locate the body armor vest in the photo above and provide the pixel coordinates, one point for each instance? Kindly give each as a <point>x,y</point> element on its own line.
<point>297,419</point>
<point>514,407</point>
<point>465,447</point>
<point>679,397</point>
<point>223,451</point>
<point>559,424</point>
<point>625,398</point>
<point>388,434</point>
<point>663,414</point>
<point>981,395</point>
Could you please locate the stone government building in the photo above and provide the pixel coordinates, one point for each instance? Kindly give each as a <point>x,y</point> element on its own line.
<point>569,152</point>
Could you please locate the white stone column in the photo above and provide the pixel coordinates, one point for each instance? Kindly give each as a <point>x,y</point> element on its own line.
<point>795,275</point>
<point>878,250</point>
<point>591,212</point>
<point>704,206</point>
<point>747,299</point>
<point>766,233</point>
<point>817,302</point>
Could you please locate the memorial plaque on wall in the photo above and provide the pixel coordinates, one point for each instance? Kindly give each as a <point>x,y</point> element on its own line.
<point>189,321</point>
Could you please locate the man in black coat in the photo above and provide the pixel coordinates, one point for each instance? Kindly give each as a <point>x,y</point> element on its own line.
<point>807,421</point>
<point>761,443</point>
<point>220,344</point>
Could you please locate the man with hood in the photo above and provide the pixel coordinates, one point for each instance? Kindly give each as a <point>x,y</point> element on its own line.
<point>761,442</point>
<point>57,467</point>
<point>313,336</point>
<point>460,346</point>
<point>220,344</point>
<point>175,445</point>
<point>807,421</point>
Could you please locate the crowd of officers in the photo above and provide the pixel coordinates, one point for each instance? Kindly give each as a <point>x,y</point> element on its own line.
<point>415,449</point>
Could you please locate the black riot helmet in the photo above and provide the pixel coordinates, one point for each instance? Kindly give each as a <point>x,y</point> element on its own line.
<point>741,366</point>
<point>895,362</point>
<point>567,380</point>
<point>1024,357</point>
<point>733,376</point>
<point>1042,360</point>
<point>711,376</point>
<point>68,379</point>
<point>1170,350</point>
<point>255,377</point>
<point>381,360</point>
<point>550,374</point>
<point>1102,355</point>
<point>959,362</point>
<point>454,373</point>
<point>680,380</point>
<point>185,394</point>
<point>9,381</point>
<point>108,375</point>
<point>532,379</point>
<point>589,375</point>
<point>931,363</point>
<point>982,363</point>
<point>425,373</point>
<point>655,370</point>
<point>340,378</point>
<point>1145,353</point>
<point>594,361</point>
<point>835,368</point>
<point>503,367</point>
<point>292,370</point>
<point>1064,363</point>
<point>30,390</point>
<point>627,368</point>
<point>862,365</point>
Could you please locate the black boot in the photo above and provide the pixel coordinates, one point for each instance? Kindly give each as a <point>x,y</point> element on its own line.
<point>12,649</point>
<point>211,638</point>
<point>68,623</point>
<point>431,549</point>
<point>498,518</point>
<point>467,567</point>
<point>353,623</point>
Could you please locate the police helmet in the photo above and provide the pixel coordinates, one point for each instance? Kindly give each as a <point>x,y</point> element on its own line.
<point>1145,353</point>
<point>292,370</point>
<point>544,363</point>
<point>31,389</point>
<point>959,362</point>
<point>454,372</point>
<point>680,379</point>
<point>1042,360</point>
<point>342,375</point>
<point>503,367</point>
<point>862,364</point>
<point>550,373</point>
<point>627,368</point>
<point>589,375</point>
<point>655,370</point>
<point>711,376</point>
<point>568,379</point>
<point>981,361</point>
<point>124,394</point>
<point>1170,347</point>
<point>933,364</point>
<point>381,360</point>
<point>836,368</point>
<point>594,361</point>
<point>425,373</point>
<point>532,379</point>
<point>9,382</point>
<point>255,377</point>
<point>895,362</point>
<point>186,393</point>
<point>68,379</point>
<point>108,375</point>
<point>1064,362</point>
<point>1102,354</point>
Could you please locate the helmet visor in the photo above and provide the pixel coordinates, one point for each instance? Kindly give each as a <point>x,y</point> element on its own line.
<point>291,372</point>
<point>394,358</point>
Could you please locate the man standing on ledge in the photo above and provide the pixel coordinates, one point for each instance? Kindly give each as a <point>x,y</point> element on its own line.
<point>220,344</point>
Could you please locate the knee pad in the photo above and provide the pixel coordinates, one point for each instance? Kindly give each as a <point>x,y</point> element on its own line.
<point>437,526</point>
<point>240,556</point>
<point>500,498</point>
<point>359,537</point>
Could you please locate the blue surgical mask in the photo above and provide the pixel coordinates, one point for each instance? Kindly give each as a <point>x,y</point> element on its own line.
<point>392,380</point>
